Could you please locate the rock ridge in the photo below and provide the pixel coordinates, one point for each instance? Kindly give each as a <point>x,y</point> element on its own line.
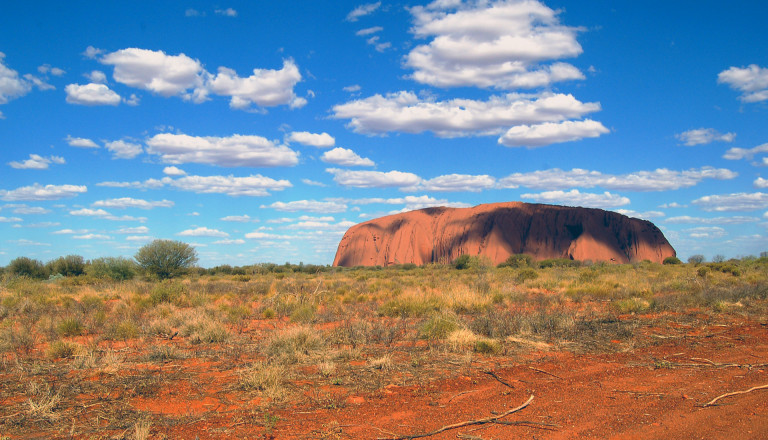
<point>498,230</point>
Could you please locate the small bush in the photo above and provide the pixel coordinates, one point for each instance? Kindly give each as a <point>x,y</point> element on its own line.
<point>631,305</point>
<point>462,262</point>
<point>167,292</point>
<point>559,262</point>
<point>672,260</point>
<point>69,266</point>
<point>114,268</point>
<point>439,326</point>
<point>123,330</point>
<point>518,261</point>
<point>526,274</point>
<point>487,346</point>
<point>291,344</point>
<point>27,267</point>
<point>62,350</point>
<point>70,327</point>
<point>166,258</point>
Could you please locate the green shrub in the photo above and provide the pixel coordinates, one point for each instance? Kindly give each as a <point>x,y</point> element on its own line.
<point>462,262</point>
<point>123,330</point>
<point>559,262</point>
<point>304,314</point>
<point>487,346</point>
<point>62,350</point>
<point>115,268</point>
<point>69,266</point>
<point>671,260</point>
<point>70,327</point>
<point>439,326</point>
<point>27,267</point>
<point>526,274</point>
<point>518,261</point>
<point>166,258</point>
<point>167,292</point>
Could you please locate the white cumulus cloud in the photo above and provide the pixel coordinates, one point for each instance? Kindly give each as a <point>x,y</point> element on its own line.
<point>551,133</point>
<point>457,182</point>
<point>308,206</point>
<point>321,140</point>
<point>11,84</point>
<point>91,94</point>
<point>232,151</point>
<point>265,87</point>
<point>658,180</point>
<point>42,192</point>
<point>500,44</point>
<point>80,142</point>
<point>363,10</point>
<point>202,231</point>
<point>345,157</point>
<point>751,81</point>
<point>406,112</point>
<point>374,179</point>
<point>123,149</point>
<point>745,153</point>
<point>576,198</point>
<point>702,136</point>
<point>37,162</point>
<point>128,202</point>
<point>157,72</point>
<point>253,185</point>
<point>174,171</point>
<point>733,202</point>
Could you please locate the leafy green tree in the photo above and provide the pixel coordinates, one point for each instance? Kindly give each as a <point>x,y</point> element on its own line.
<point>27,267</point>
<point>71,265</point>
<point>166,258</point>
<point>116,268</point>
<point>672,260</point>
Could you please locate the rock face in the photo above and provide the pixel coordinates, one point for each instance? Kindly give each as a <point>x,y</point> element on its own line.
<point>499,230</point>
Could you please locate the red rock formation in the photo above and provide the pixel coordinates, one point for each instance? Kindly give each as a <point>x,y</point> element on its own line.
<point>499,230</point>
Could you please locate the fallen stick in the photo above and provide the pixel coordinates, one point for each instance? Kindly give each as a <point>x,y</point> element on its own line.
<point>712,402</point>
<point>492,419</point>
<point>545,372</point>
<point>493,375</point>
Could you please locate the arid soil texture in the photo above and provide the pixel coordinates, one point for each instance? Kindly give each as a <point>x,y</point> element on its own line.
<point>603,351</point>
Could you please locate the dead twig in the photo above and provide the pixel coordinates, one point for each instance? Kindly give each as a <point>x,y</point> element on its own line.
<point>461,393</point>
<point>546,372</point>
<point>493,375</point>
<point>645,393</point>
<point>712,402</point>
<point>530,424</point>
<point>492,419</point>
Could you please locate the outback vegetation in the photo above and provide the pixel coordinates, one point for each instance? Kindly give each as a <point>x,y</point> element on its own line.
<point>117,348</point>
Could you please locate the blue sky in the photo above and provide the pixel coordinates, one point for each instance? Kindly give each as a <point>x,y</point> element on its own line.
<point>261,131</point>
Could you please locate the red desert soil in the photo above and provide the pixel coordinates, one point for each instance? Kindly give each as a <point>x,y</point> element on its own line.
<point>498,230</point>
<point>656,391</point>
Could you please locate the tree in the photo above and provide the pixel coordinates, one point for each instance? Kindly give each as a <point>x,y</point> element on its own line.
<point>116,268</point>
<point>27,267</point>
<point>71,265</point>
<point>166,258</point>
<point>696,259</point>
<point>671,260</point>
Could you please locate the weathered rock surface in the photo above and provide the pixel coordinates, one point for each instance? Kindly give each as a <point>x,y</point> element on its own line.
<point>499,230</point>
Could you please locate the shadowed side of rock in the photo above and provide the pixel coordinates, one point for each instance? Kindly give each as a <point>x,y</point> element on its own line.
<point>498,230</point>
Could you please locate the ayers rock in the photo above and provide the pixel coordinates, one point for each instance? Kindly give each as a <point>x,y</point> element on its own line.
<point>498,230</point>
